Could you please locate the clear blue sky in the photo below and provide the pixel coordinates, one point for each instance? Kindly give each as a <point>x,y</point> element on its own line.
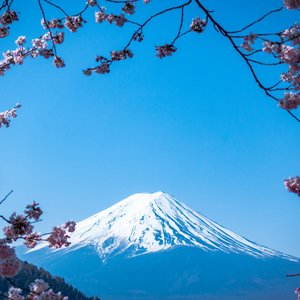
<point>194,125</point>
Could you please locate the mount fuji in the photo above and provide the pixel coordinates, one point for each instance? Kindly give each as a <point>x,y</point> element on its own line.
<point>151,246</point>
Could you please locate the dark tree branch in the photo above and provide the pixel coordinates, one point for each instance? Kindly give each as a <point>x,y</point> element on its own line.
<point>6,197</point>
<point>257,21</point>
<point>245,58</point>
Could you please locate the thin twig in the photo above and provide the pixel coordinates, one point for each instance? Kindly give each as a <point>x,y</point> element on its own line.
<point>257,21</point>
<point>6,197</point>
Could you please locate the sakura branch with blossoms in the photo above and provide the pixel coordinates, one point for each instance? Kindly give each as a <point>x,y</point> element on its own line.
<point>282,47</point>
<point>21,227</point>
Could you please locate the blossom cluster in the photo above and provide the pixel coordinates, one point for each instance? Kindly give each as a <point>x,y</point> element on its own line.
<point>58,237</point>
<point>293,185</point>
<point>39,47</point>
<point>129,8</point>
<point>297,291</point>
<point>9,263</point>
<point>7,18</point>
<point>165,50</point>
<point>248,42</point>
<point>286,50</point>
<point>21,226</point>
<point>198,25</point>
<point>101,16</point>
<point>292,4</point>
<point>38,290</point>
<point>121,55</point>
<point>5,117</point>
<point>73,23</point>
<point>104,66</point>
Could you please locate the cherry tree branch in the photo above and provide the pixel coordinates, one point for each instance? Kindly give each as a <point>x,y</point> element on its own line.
<point>6,197</point>
<point>257,21</point>
<point>226,34</point>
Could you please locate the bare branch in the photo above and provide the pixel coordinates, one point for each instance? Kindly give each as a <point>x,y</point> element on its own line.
<point>257,21</point>
<point>6,197</point>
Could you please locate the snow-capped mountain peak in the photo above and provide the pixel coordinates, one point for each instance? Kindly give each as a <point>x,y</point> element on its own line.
<point>150,222</point>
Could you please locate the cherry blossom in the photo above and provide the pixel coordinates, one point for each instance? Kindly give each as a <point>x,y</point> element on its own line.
<point>290,101</point>
<point>101,16</point>
<point>166,50</point>
<point>58,62</point>
<point>10,266</point>
<point>198,25</point>
<point>15,294</point>
<point>74,22</point>
<point>39,290</point>
<point>297,291</point>
<point>129,8</point>
<point>33,211</point>
<point>8,17</point>
<point>21,40</point>
<point>5,117</point>
<point>91,3</point>
<point>4,32</point>
<point>293,185</point>
<point>292,4</point>
<point>58,238</point>
<point>248,42</point>
<point>121,55</point>
<point>70,226</point>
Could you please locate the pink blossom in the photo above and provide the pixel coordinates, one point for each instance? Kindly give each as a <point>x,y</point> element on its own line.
<point>8,17</point>
<point>5,117</point>
<point>271,47</point>
<point>15,294</point>
<point>248,42</point>
<point>129,8</point>
<point>74,22</point>
<point>166,50</point>
<point>91,3</point>
<point>4,31</point>
<point>292,34</point>
<point>58,62</point>
<point>101,16</point>
<point>138,36</point>
<point>121,55</point>
<point>198,25</point>
<point>39,43</point>
<point>32,239</point>
<point>103,68</point>
<point>292,184</point>
<point>5,250</point>
<point>10,266</point>
<point>292,4</point>
<point>119,20</point>
<point>54,23</point>
<point>21,40</point>
<point>87,72</point>
<point>290,101</point>
<point>19,226</point>
<point>33,211</point>
<point>70,226</point>
<point>59,38</point>
<point>46,53</point>
<point>39,286</point>
<point>58,238</point>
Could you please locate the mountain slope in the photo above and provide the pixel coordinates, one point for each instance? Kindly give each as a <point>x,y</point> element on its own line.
<point>145,223</point>
<point>153,247</point>
<point>30,273</point>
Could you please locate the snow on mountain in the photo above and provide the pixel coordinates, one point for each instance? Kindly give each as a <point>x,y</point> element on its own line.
<point>150,222</point>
